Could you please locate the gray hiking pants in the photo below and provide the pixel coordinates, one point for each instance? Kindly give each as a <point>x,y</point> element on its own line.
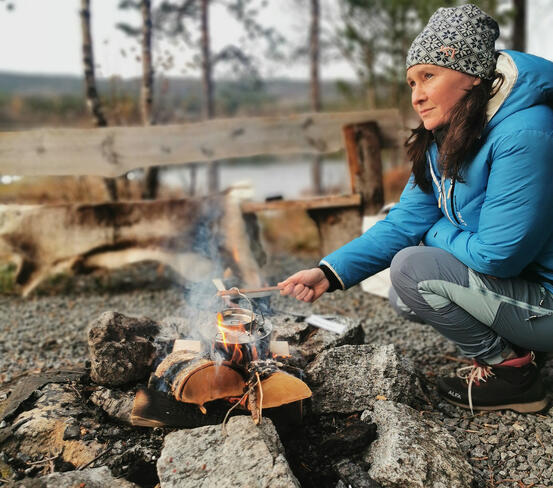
<point>485,316</point>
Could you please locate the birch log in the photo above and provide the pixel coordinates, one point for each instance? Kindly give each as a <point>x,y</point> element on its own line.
<point>113,151</point>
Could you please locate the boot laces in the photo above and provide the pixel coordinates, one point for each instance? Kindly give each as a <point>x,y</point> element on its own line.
<point>474,374</point>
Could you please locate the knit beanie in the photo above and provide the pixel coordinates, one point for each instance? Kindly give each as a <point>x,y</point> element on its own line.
<point>460,38</point>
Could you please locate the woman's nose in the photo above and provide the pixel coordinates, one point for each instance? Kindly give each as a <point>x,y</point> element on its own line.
<point>417,95</point>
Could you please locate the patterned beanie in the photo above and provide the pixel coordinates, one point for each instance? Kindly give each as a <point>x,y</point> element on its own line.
<point>460,38</point>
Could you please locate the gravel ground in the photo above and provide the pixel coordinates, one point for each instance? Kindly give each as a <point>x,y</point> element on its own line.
<point>506,449</point>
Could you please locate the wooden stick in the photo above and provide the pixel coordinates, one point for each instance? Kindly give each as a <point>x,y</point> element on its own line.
<point>84,466</point>
<point>245,291</point>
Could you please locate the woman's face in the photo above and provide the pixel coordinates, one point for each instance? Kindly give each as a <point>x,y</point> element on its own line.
<point>435,91</point>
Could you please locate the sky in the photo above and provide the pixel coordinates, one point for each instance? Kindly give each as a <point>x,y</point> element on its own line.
<point>43,36</point>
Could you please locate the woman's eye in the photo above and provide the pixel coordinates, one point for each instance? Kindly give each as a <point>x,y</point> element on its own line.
<point>411,83</point>
<point>428,76</point>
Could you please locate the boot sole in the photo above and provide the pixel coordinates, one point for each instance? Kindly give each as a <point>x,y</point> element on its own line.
<point>532,407</point>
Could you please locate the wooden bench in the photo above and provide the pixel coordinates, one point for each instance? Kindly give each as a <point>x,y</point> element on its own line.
<point>338,217</point>
<point>43,239</point>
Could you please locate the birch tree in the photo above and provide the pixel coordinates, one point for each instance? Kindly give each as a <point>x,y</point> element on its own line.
<point>182,18</point>
<point>207,87</point>
<point>315,85</point>
<point>144,33</point>
<point>92,97</point>
<point>151,176</point>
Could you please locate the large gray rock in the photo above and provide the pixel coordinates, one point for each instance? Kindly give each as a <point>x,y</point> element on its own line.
<point>89,478</point>
<point>306,341</point>
<point>412,452</point>
<point>249,456</point>
<point>51,426</point>
<point>349,379</point>
<point>122,348</point>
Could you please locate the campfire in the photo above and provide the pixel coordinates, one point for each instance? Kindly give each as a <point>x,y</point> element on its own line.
<point>235,362</point>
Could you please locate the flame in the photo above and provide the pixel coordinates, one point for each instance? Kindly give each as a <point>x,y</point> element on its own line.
<point>235,254</point>
<point>243,400</point>
<point>255,356</point>
<point>221,328</point>
<point>237,355</point>
<point>228,333</point>
<point>282,356</point>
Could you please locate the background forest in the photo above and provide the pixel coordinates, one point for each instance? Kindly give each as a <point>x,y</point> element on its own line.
<point>372,36</point>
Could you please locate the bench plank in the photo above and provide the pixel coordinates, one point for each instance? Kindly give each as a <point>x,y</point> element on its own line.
<point>113,151</point>
<point>333,201</point>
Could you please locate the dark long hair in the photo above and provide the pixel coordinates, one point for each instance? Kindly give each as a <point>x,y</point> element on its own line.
<point>462,135</point>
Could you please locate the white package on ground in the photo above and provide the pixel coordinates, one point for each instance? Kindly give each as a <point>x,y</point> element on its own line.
<point>378,284</point>
<point>322,323</point>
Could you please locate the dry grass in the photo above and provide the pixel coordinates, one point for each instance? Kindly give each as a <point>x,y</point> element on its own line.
<point>7,278</point>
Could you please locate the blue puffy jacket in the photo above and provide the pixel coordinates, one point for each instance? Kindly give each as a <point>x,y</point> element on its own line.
<point>500,220</point>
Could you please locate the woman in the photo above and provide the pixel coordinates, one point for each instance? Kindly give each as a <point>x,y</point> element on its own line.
<point>480,200</point>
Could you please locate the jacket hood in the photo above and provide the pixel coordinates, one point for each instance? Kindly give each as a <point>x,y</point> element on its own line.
<point>528,81</point>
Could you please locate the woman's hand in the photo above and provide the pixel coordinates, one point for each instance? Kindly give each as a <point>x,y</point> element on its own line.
<point>306,285</point>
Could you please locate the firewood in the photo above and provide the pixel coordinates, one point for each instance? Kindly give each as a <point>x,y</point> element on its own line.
<point>155,409</point>
<point>192,378</point>
<point>187,345</point>
<point>271,387</point>
<point>281,388</point>
<point>179,357</point>
<point>255,398</point>
<point>254,405</point>
<point>206,382</point>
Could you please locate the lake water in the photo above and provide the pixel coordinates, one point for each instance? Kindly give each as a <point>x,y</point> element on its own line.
<point>290,178</point>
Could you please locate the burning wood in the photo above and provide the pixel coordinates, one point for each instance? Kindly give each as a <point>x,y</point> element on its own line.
<point>270,387</point>
<point>234,365</point>
<point>193,379</point>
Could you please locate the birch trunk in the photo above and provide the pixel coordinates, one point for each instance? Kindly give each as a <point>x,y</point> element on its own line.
<point>316,168</point>
<point>314,56</point>
<point>92,97</point>
<point>207,86</point>
<point>151,181</point>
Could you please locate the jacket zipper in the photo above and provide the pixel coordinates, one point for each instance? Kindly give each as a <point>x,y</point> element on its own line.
<point>441,189</point>
<point>450,196</point>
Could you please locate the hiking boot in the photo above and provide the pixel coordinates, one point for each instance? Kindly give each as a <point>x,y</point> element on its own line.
<point>513,384</point>
<point>540,358</point>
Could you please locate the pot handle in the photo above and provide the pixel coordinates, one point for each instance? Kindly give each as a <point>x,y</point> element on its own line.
<point>235,288</point>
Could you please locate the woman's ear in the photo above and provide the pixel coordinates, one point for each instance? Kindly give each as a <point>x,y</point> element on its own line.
<point>476,81</point>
